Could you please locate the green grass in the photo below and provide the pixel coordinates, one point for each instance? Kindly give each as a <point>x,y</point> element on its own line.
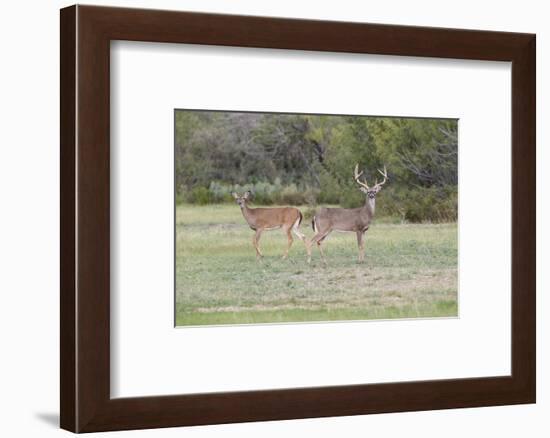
<point>410,270</point>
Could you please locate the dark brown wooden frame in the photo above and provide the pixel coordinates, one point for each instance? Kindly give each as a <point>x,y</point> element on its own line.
<point>86,33</point>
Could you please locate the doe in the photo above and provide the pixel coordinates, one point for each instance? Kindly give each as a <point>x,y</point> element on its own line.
<point>265,219</point>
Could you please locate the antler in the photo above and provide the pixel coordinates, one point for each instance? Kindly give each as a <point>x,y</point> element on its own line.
<point>357,174</point>
<point>384,174</point>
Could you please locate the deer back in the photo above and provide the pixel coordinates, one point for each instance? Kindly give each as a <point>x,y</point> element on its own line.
<point>343,219</point>
<point>265,218</point>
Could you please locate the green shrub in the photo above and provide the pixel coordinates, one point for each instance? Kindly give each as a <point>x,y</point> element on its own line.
<point>219,193</point>
<point>406,204</point>
<point>351,198</point>
<point>419,204</point>
<point>263,193</point>
<point>311,195</point>
<point>200,196</point>
<point>308,214</point>
<point>180,197</point>
<point>291,195</point>
<point>330,192</point>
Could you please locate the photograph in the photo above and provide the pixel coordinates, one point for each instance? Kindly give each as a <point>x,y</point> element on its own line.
<point>287,218</point>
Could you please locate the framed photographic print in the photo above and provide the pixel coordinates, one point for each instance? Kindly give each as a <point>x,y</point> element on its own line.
<point>292,165</point>
<point>267,218</point>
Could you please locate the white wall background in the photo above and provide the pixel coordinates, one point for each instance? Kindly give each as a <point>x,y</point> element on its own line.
<point>29,216</point>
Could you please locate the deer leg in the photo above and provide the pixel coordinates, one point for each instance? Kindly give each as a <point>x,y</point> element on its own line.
<point>289,240</point>
<point>321,251</point>
<point>318,238</point>
<point>303,238</point>
<point>361,246</point>
<point>298,233</point>
<point>256,243</point>
<point>308,249</point>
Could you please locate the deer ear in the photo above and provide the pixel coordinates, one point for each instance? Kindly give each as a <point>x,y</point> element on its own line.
<point>247,194</point>
<point>234,195</point>
<point>364,190</point>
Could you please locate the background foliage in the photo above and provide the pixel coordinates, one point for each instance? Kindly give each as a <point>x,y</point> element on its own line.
<point>299,159</point>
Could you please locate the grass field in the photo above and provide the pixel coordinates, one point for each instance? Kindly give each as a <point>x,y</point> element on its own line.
<point>410,270</point>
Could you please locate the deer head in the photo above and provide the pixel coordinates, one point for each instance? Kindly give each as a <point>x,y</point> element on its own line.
<point>242,200</point>
<point>364,187</point>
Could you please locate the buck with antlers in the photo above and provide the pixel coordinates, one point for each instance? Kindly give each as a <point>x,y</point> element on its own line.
<point>265,219</point>
<point>347,219</point>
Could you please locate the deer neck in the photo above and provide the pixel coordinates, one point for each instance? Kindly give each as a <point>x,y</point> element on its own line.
<point>370,205</point>
<point>247,214</point>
